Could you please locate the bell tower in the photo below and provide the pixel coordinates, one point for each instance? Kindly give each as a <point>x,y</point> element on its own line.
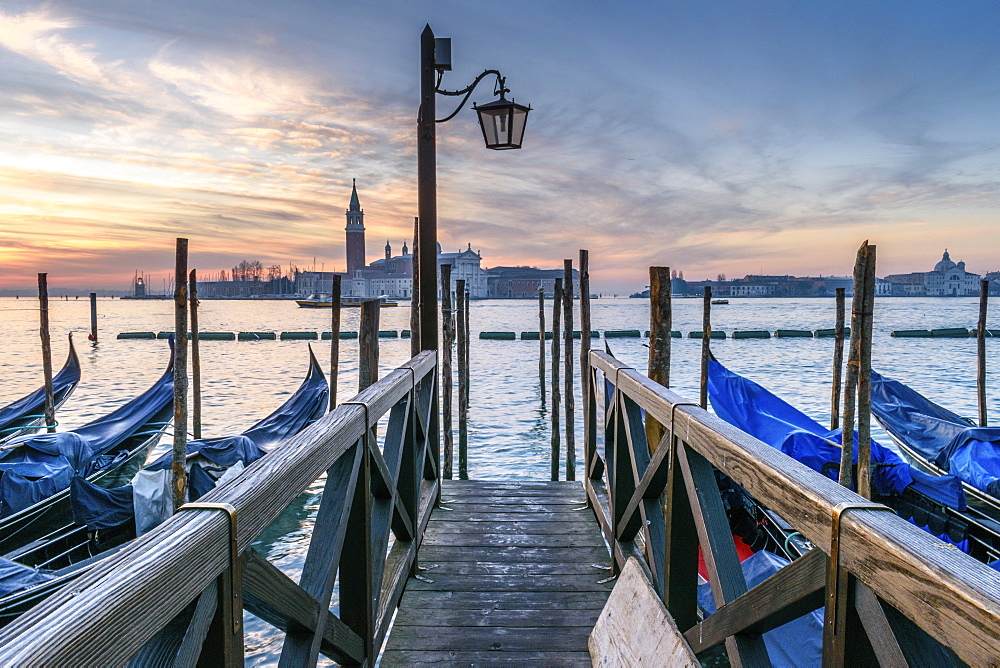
<point>355,232</point>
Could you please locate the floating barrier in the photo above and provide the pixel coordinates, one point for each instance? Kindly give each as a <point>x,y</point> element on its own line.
<point>405,334</point>
<point>326,336</point>
<point>622,334</point>
<point>950,333</point>
<point>912,333</point>
<point>830,333</point>
<point>498,336</point>
<point>533,336</point>
<point>165,335</point>
<point>716,334</point>
<point>256,336</point>
<point>792,333</point>
<point>752,334</point>
<point>299,336</point>
<point>216,336</point>
<point>988,332</point>
<point>388,334</point>
<point>674,334</point>
<point>137,335</point>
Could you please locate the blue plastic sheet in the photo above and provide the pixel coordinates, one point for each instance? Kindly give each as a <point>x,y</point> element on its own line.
<point>949,441</point>
<point>755,410</point>
<point>14,577</point>
<point>26,409</point>
<point>224,451</point>
<point>797,643</point>
<point>98,508</point>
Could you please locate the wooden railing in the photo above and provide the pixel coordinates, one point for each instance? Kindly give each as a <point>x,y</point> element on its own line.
<point>177,594</point>
<point>659,504</point>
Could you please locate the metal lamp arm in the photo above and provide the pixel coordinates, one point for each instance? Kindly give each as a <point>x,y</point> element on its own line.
<point>499,89</point>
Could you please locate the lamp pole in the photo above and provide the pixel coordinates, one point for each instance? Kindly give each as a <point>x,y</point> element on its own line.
<point>427,194</point>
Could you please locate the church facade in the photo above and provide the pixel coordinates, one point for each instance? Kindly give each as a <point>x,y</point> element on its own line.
<point>947,279</point>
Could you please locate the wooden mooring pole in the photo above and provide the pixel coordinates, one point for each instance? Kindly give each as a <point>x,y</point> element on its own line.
<point>93,318</point>
<point>660,324</point>
<point>179,472</point>
<point>368,344</point>
<point>838,360</point>
<point>43,330</point>
<point>447,342</point>
<point>541,344</point>
<point>865,378</point>
<point>335,295</point>
<point>706,337</point>
<point>415,292</point>
<point>195,358</point>
<point>984,296</point>
<point>557,295</point>
<point>570,400</point>
<point>589,430</point>
<point>463,397</point>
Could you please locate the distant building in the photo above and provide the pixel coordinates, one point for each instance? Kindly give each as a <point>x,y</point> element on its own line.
<point>947,279</point>
<point>524,282</point>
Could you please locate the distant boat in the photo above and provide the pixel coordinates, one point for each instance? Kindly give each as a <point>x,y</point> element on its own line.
<point>323,300</point>
<point>720,301</point>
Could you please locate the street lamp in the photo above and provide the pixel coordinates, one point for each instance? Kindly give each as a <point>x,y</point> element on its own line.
<point>502,122</point>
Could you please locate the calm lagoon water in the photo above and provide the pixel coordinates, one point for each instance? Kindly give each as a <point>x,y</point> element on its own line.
<point>509,425</point>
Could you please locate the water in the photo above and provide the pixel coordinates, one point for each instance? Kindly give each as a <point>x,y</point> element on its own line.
<point>509,425</point>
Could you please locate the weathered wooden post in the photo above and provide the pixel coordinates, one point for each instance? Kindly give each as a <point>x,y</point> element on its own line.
<point>660,323</point>
<point>568,375</point>
<point>463,397</point>
<point>180,374</point>
<point>838,361</point>
<point>557,297</point>
<point>447,341</point>
<point>415,292</point>
<point>865,378</point>
<point>854,362</point>
<point>195,358</point>
<point>984,296</point>
<point>589,427</point>
<point>43,330</point>
<point>335,298</point>
<point>706,336</point>
<point>541,343</point>
<point>368,344</point>
<point>93,317</point>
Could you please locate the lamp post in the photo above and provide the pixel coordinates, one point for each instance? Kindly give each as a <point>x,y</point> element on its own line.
<point>502,123</point>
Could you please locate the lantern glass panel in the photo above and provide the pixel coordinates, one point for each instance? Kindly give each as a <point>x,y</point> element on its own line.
<point>520,117</point>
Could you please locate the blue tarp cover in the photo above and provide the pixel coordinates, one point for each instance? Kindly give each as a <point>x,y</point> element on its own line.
<point>797,643</point>
<point>761,414</point>
<point>45,464</point>
<point>938,435</point>
<point>14,577</point>
<point>102,508</point>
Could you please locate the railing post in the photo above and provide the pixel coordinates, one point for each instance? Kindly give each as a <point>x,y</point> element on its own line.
<point>357,587</point>
<point>680,581</point>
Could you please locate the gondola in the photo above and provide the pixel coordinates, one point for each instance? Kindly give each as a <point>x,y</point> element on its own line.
<point>36,471</point>
<point>936,503</point>
<point>106,519</point>
<point>940,442</point>
<point>26,415</point>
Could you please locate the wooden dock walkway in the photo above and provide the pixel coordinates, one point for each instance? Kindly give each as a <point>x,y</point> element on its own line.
<point>515,573</point>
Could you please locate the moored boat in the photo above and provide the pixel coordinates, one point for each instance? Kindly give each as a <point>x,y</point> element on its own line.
<point>105,519</point>
<point>324,300</point>
<point>26,415</point>
<point>36,471</point>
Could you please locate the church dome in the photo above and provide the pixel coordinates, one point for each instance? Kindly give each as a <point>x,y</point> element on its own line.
<point>945,264</point>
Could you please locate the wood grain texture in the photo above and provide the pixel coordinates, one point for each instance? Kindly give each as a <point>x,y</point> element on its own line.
<point>634,628</point>
<point>499,586</point>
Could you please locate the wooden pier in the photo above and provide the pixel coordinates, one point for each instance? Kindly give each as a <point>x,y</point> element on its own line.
<point>515,572</point>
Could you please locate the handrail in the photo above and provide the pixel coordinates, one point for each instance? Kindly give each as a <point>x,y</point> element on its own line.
<point>113,611</point>
<point>953,597</point>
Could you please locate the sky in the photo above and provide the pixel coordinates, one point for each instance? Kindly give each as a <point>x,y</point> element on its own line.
<point>711,137</point>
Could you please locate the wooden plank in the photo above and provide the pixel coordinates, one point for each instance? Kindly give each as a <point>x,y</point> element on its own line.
<point>436,638</point>
<point>506,568</point>
<point>411,658</point>
<point>634,629</point>
<point>477,600</point>
<point>551,499</point>
<point>432,553</point>
<point>499,516</point>
<point>555,583</point>
<point>490,540</point>
<point>436,529</point>
<point>499,618</point>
